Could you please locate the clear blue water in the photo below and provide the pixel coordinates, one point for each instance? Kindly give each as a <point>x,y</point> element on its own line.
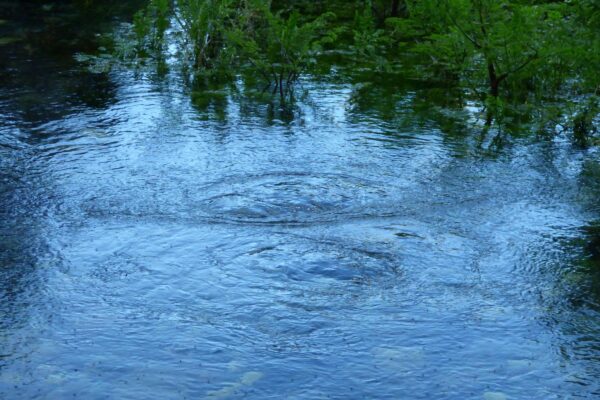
<point>154,248</point>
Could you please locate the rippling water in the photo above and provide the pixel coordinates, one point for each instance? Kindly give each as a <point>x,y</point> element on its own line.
<point>155,248</point>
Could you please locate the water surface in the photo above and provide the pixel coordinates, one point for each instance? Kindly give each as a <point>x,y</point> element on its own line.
<point>364,245</point>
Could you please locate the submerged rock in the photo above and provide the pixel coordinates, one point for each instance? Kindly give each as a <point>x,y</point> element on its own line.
<point>494,396</point>
<point>248,379</point>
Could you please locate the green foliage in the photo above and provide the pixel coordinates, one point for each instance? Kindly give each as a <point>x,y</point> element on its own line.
<point>277,47</point>
<point>585,41</point>
<point>196,29</point>
<point>523,51</point>
<point>217,39</point>
<point>369,41</point>
<point>521,46</point>
<point>521,56</point>
<point>204,25</point>
<point>149,26</point>
<point>488,40</point>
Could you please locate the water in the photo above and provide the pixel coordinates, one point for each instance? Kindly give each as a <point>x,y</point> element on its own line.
<point>367,246</point>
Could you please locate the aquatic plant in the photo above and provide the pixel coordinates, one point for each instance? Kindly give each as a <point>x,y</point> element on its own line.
<point>508,55</point>
<point>369,42</point>
<point>280,48</point>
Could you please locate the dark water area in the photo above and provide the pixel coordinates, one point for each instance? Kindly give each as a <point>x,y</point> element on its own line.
<point>367,244</point>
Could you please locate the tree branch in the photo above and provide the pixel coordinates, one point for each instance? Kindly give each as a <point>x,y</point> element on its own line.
<point>519,68</point>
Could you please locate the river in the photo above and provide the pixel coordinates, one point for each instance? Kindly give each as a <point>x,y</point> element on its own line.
<point>363,245</point>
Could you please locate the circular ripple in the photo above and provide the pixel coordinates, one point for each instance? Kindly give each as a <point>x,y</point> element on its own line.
<point>291,258</point>
<point>296,198</point>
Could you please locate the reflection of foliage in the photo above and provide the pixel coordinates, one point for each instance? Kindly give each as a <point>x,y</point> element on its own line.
<point>402,104</point>
<point>582,281</point>
<point>593,247</point>
<point>583,121</point>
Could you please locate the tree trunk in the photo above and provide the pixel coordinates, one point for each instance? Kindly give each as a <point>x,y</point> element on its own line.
<point>395,8</point>
<point>399,9</point>
<point>494,80</point>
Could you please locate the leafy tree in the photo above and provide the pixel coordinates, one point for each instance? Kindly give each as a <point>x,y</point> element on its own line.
<point>542,52</point>
<point>501,41</point>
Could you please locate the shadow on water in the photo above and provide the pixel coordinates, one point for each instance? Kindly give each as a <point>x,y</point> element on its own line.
<point>37,47</point>
<point>26,307</point>
<point>39,84</point>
